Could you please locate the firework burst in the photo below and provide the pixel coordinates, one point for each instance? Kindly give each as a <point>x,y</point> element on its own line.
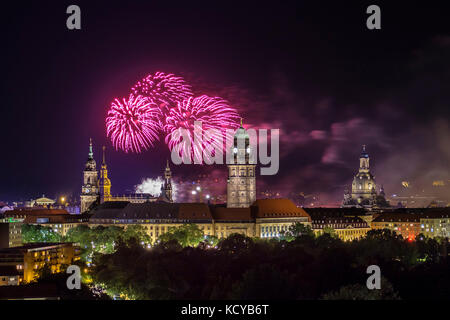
<point>215,115</point>
<point>163,89</point>
<point>132,123</point>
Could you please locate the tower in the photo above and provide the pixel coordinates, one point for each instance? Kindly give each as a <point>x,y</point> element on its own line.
<point>166,187</point>
<point>89,190</point>
<point>104,182</point>
<point>363,186</point>
<point>241,184</point>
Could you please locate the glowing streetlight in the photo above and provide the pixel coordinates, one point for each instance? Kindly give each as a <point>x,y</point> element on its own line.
<point>207,196</point>
<point>198,188</point>
<point>194,192</point>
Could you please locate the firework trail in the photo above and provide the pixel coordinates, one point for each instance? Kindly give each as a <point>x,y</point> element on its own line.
<point>132,124</point>
<point>213,112</point>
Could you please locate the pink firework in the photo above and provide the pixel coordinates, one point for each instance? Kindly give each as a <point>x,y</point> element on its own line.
<point>163,89</point>
<point>132,123</point>
<point>215,115</point>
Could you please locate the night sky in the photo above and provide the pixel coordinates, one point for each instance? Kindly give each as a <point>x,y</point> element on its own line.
<point>309,68</point>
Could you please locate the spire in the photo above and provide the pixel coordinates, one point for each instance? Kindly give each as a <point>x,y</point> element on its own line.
<point>364,153</point>
<point>104,162</point>
<point>242,120</point>
<point>382,193</point>
<point>167,166</point>
<point>91,153</point>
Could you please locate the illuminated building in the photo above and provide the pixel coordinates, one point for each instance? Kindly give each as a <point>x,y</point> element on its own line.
<point>406,225</point>
<point>364,194</point>
<point>166,187</point>
<point>264,218</point>
<point>348,223</point>
<point>30,258</point>
<point>346,228</point>
<point>40,202</point>
<point>89,190</point>
<point>58,219</point>
<point>242,214</point>
<point>353,212</point>
<point>10,276</point>
<point>97,188</point>
<point>438,183</point>
<point>431,222</point>
<point>241,184</point>
<point>104,182</point>
<point>10,234</point>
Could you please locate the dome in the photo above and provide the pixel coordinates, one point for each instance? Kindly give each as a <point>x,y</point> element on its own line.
<point>241,133</point>
<point>90,165</point>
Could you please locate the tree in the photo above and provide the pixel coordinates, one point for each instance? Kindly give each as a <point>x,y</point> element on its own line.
<point>38,233</point>
<point>137,232</point>
<point>235,243</point>
<point>264,282</point>
<point>330,231</point>
<point>297,230</point>
<point>186,235</point>
<point>361,292</point>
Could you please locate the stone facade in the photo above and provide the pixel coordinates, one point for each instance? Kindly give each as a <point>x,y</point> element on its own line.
<point>241,184</point>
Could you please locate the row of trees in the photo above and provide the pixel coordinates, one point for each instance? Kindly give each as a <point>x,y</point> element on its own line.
<point>184,265</point>
<point>92,240</point>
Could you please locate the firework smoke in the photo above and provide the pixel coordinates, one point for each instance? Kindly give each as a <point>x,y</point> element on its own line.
<point>153,187</point>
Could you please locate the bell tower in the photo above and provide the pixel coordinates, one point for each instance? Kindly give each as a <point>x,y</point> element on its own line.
<point>104,182</point>
<point>166,187</point>
<point>241,184</point>
<point>89,190</point>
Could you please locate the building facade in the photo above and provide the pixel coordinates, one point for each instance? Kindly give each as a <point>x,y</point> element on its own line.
<point>96,187</point>
<point>431,222</point>
<point>31,258</point>
<point>241,183</point>
<point>346,228</point>
<point>264,218</point>
<point>59,220</point>
<point>10,233</point>
<point>89,189</point>
<point>364,193</point>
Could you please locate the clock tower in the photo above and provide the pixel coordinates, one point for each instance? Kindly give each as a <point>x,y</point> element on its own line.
<point>89,190</point>
<point>241,184</point>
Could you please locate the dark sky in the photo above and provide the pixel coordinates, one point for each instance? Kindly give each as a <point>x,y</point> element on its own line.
<point>309,68</point>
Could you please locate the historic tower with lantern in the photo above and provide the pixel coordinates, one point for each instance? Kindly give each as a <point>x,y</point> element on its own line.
<point>241,184</point>
<point>89,190</point>
<point>104,182</point>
